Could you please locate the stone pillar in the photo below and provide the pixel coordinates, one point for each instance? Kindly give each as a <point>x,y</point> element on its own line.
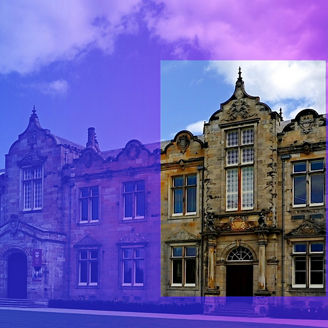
<point>211,263</point>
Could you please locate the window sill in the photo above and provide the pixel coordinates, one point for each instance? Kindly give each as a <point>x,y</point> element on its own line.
<point>87,286</point>
<point>183,217</point>
<point>33,210</point>
<point>88,223</point>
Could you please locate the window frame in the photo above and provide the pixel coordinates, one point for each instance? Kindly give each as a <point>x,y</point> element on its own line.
<point>88,262</point>
<point>184,188</point>
<point>308,173</point>
<point>89,198</point>
<point>134,260</point>
<point>33,183</point>
<point>134,200</point>
<point>183,258</point>
<point>308,255</point>
<point>239,166</point>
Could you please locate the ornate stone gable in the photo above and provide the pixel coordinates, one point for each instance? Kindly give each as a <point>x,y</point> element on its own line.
<point>182,235</point>
<point>306,229</point>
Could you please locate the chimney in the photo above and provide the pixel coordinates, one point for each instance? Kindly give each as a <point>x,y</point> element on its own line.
<point>92,140</point>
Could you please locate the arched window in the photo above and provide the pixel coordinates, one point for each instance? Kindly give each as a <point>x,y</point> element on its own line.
<point>240,254</point>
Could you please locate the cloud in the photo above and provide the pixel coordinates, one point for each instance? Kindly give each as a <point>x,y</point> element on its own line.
<point>52,88</point>
<point>196,128</point>
<point>36,33</point>
<point>243,29</point>
<point>292,85</point>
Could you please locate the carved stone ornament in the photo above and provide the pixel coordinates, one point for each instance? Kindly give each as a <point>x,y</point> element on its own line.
<point>133,151</point>
<point>183,143</point>
<point>307,123</point>
<point>14,224</point>
<point>239,107</point>
<point>307,228</point>
<point>239,224</point>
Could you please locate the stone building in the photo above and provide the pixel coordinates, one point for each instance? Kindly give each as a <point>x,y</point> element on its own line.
<point>77,222</point>
<point>243,205</point>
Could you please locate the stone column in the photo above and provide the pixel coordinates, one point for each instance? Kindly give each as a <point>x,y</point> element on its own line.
<point>211,263</point>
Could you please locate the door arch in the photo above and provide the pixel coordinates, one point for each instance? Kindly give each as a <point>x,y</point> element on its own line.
<point>17,275</point>
<point>239,272</point>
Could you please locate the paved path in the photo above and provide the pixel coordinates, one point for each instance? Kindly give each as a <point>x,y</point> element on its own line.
<point>71,318</point>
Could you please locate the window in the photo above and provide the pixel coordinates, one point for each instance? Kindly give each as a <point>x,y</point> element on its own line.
<point>88,267</point>
<point>183,262</point>
<point>89,204</point>
<point>308,265</point>
<point>184,191</point>
<point>240,169</point>
<point>133,266</point>
<point>134,200</point>
<point>308,183</point>
<point>32,188</point>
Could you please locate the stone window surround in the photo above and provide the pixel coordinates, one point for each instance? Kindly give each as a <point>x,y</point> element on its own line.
<point>89,197</point>
<point>134,217</point>
<point>88,284</point>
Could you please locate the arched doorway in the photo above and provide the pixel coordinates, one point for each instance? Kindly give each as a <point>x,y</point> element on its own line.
<point>239,276</point>
<point>17,275</point>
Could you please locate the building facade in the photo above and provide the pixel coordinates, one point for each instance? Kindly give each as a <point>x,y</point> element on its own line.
<point>243,205</point>
<point>237,211</point>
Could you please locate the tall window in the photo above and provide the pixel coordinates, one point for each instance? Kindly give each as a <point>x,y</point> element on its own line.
<point>89,204</point>
<point>133,266</point>
<point>308,265</point>
<point>240,169</point>
<point>88,267</point>
<point>184,194</point>
<point>183,263</point>
<point>32,188</point>
<point>134,200</point>
<point>309,183</point>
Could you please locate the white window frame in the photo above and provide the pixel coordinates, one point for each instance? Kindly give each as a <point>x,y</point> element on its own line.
<point>308,173</point>
<point>184,188</point>
<point>134,260</point>
<point>88,261</point>
<point>32,193</point>
<point>184,263</point>
<point>308,254</point>
<point>90,205</point>
<point>134,200</point>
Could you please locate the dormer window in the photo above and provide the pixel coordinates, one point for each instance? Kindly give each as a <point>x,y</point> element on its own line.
<point>32,187</point>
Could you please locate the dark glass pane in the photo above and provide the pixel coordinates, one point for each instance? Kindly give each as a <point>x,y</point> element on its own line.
<point>190,251</point>
<point>299,190</point>
<point>178,200</point>
<point>178,181</point>
<point>139,252</point>
<point>140,203</point>
<point>94,254</point>
<point>83,255</point>
<point>128,205</point>
<point>127,274</point>
<point>316,165</point>
<point>127,253</point>
<point>300,263</point>
<point>94,191</point>
<point>94,271</point>
<point>84,209</point>
<point>128,186</point>
<point>317,247</point>
<point>84,192</point>
<point>316,263</point>
<point>316,278</point>
<point>83,271</point>
<point>177,251</point>
<point>140,185</point>
<point>317,188</point>
<point>300,278</point>
<point>191,180</point>
<point>139,272</point>
<point>177,271</point>
<point>300,248</point>
<point>95,215</point>
<point>300,167</point>
<point>191,199</point>
<point>190,271</point>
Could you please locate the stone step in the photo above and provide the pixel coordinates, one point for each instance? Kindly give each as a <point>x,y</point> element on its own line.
<point>12,302</point>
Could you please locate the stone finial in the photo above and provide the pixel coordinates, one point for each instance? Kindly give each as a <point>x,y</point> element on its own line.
<point>280,113</point>
<point>34,120</point>
<point>239,81</point>
<point>92,140</point>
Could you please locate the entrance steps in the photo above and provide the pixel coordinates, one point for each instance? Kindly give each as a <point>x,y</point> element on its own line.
<point>22,303</point>
<point>235,310</point>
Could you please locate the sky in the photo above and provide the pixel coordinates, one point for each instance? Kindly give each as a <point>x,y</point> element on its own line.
<point>85,63</point>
